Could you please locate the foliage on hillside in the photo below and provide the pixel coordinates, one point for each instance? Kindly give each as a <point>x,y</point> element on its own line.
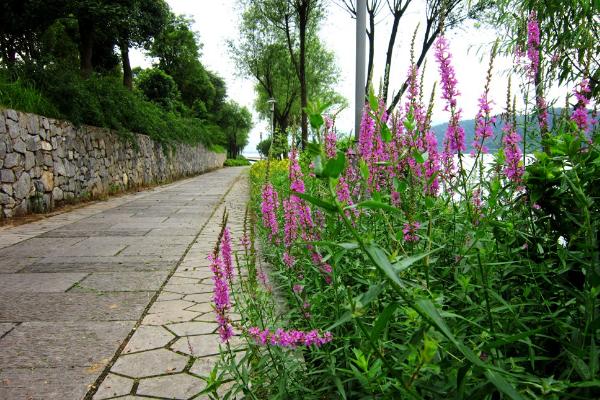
<point>70,59</point>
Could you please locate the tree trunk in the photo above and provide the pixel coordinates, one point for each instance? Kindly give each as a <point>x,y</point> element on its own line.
<point>388,57</point>
<point>127,74</point>
<point>86,45</point>
<point>427,43</point>
<point>303,22</point>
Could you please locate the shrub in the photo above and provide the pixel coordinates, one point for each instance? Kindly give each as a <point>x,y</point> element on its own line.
<point>158,87</point>
<point>239,161</point>
<point>104,102</point>
<point>21,96</point>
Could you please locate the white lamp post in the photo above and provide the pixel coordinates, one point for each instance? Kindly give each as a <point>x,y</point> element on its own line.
<point>272,102</point>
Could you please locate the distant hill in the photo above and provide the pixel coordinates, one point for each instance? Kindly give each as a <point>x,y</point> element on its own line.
<point>493,145</point>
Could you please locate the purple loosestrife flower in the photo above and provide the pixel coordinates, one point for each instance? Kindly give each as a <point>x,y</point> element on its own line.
<point>269,205</point>
<point>410,231</point>
<point>412,101</point>
<point>533,44</point>
<point>289,339</point>
<point>444,58</point>
<point>483,124</point>
<point>580,115</point>
<point>365,139</point>
<point>245,241</point>
<point>432,164</point>
<point>288,259</point>
<point>290,217</point>
<point>513,168</point>
<point>542,110</point>
<point>226,254</point>
<point>455,134</point>
<point>330,139</point>
<point>298,288</point>
<point>295,173</point>
<point>221,298</point>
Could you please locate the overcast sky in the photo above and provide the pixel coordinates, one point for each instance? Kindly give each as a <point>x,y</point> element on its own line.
<point>217,21</point>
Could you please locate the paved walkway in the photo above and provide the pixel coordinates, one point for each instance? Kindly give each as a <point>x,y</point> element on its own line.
<point>112,300</point>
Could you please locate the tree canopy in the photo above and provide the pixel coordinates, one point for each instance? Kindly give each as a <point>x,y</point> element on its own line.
<point>268,51</point>
<point>74,51</point>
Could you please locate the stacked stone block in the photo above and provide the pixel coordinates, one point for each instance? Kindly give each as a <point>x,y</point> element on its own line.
<point>45,162</point>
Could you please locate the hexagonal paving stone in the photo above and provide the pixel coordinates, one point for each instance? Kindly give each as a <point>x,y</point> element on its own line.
<point>203,366</point>
<point>147,338</point>
<point>164,318</point>
<point>149,363</point>
<point>179,386</point>
<point>202,273</point>
<point>181,280</point>
<point>189,288</point>
<point>198,346</point>
<point>164,296</point>
<point>193,328</point>
<point>201,307</point>
<point>113,386</point>
<point>200,298</point>
<point>169,306</point>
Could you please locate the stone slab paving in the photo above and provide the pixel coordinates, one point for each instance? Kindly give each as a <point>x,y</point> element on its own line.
<point>176,343</point>
<point>93,302</point>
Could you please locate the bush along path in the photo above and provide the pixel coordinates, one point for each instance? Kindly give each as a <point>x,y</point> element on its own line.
<point>409,275</point>
<point>127,277</point>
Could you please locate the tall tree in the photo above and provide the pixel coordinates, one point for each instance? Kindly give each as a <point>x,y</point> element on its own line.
<point>236,123</point>
<point>22,22</point>
<point>296,19</point>
<point>177,49</point>
<point>269,52</point>
<point>138,23</point>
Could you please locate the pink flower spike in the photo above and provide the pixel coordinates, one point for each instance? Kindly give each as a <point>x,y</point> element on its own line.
<point>533,44</point>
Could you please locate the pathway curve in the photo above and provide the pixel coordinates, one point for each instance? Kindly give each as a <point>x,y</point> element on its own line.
<point>112,300</point>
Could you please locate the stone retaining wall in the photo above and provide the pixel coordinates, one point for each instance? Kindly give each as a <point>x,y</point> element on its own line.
<point>45,162</point>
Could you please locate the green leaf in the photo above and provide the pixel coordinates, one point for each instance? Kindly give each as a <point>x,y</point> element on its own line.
<point>335,166</point>
<point>382,262</point>
<point>373,102</point>
<point>580,366</point>
<point>503,385</point>
<point>427,308</point>
<point>361,301</point>
<point>318,165</point>
<point>314,149</point>
<point>317,202</point>
<point>370,294</point>
<point>461,381</point>
<point>316,120</point>
<point>340,387</point>
<point>408,261</point>
<point>364,169</point>
<point>383,320</point>
<point>418,157</point>
<point>594,383</point>
<point>343,245</point>
<point>377,205</point>
<point>347,316</point>
<point>386,134</point>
